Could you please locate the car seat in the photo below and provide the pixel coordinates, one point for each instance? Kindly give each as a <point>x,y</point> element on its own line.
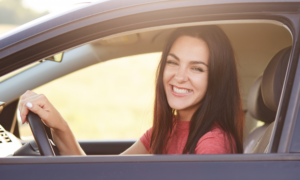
<point>259,111</point>
<point>263,101</point>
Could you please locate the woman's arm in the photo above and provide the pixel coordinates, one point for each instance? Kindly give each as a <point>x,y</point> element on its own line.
<point>61,132</point>
<point>136,148</point>
<point>66,142</point>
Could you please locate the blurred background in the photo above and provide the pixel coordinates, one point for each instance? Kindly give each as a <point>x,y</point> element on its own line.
<point>109,100</point>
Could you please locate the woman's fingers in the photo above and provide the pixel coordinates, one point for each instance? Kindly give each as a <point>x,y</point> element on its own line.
<point>24,108</point>
<point>33,102</point>
<point>23,102</point>
<point>36,108</point>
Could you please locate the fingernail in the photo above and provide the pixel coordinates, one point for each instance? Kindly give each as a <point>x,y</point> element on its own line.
<point>29,105</point>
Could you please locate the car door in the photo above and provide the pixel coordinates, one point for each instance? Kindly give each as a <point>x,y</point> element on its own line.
<point>103,19</point>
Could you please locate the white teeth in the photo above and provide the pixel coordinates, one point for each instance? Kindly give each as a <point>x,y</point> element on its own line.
<point>180,91</point>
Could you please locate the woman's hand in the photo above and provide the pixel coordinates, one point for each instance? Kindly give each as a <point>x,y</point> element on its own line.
<point>40,105</point>
<point>61,132</point>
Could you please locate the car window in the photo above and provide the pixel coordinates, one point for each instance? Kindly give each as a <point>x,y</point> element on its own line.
<point>109,100</point>
<point>114,99</point>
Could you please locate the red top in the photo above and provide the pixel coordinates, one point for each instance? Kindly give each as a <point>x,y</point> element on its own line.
<point>213,142</point>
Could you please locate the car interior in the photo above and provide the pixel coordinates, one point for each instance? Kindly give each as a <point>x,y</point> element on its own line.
<point>262,49</point>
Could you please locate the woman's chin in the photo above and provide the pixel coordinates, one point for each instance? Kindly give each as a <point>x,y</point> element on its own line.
<point>183,106</point>
<point>178,107</point>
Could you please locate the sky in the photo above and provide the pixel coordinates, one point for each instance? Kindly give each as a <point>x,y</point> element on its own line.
<point>51,5</point>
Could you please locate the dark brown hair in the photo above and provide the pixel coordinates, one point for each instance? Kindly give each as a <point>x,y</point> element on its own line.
<point>221,104</point>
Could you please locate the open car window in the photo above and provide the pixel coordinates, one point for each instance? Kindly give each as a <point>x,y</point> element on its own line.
<point>113,98</point>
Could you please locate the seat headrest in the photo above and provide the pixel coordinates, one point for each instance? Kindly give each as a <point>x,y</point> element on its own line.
<point>256,105</point>
<point>273,78</point>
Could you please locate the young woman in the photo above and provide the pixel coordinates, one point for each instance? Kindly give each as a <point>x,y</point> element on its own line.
<point>197,103</point>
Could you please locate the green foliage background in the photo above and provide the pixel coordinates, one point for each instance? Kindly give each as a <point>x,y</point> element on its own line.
<point>13,12</point>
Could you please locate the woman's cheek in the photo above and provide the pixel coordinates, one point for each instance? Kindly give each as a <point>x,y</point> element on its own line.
<point>169,73</point>
<point>200,82</point>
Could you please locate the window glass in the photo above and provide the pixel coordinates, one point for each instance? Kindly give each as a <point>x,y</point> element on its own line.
<point>109,100</point>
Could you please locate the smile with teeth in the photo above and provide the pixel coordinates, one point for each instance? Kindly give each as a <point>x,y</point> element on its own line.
<point>181,91</point>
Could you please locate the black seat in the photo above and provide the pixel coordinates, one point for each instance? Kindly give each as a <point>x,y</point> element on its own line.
<point>264,99</point>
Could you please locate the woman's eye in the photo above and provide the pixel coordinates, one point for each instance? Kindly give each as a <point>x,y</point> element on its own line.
<point>172,62</point>
<point>197,69</point>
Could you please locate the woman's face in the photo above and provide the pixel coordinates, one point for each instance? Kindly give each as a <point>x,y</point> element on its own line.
<point>185,75</point>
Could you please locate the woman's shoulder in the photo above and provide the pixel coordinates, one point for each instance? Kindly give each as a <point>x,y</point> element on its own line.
<point>216,133</point>
<point>214,142</point>
<point>216,130</point>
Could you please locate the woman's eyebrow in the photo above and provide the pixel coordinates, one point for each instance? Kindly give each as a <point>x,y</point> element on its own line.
<point>198,62</point>
<point>174,56</point>
<point>191,62</point>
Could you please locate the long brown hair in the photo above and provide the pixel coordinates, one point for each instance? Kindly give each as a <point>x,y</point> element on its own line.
<point>221,104</point>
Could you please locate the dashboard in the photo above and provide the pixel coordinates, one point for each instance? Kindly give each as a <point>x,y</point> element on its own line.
<point>8,143</point>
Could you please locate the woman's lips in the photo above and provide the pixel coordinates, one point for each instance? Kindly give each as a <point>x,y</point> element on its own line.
<point>180,92</point>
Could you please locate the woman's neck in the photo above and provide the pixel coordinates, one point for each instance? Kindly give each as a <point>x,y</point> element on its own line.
<point>186,114</point>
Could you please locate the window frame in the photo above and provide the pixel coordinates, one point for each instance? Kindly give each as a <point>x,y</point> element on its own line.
<point>139,17</point>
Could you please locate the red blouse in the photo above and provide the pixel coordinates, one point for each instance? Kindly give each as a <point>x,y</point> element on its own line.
<point>213,142</point>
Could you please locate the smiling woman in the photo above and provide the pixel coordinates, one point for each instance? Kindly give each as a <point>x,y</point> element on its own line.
<point>196,77</point>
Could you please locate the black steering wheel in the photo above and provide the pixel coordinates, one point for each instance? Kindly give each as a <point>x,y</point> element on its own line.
<point>40,135</point>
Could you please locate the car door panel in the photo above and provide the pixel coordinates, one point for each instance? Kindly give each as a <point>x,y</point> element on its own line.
<point>105,147</point>
<point>154,167</point>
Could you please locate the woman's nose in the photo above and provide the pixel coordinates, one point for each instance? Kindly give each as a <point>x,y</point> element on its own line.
<point>181,76</point>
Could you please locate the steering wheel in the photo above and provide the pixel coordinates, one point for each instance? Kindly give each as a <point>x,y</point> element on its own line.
<point>40,135</point>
